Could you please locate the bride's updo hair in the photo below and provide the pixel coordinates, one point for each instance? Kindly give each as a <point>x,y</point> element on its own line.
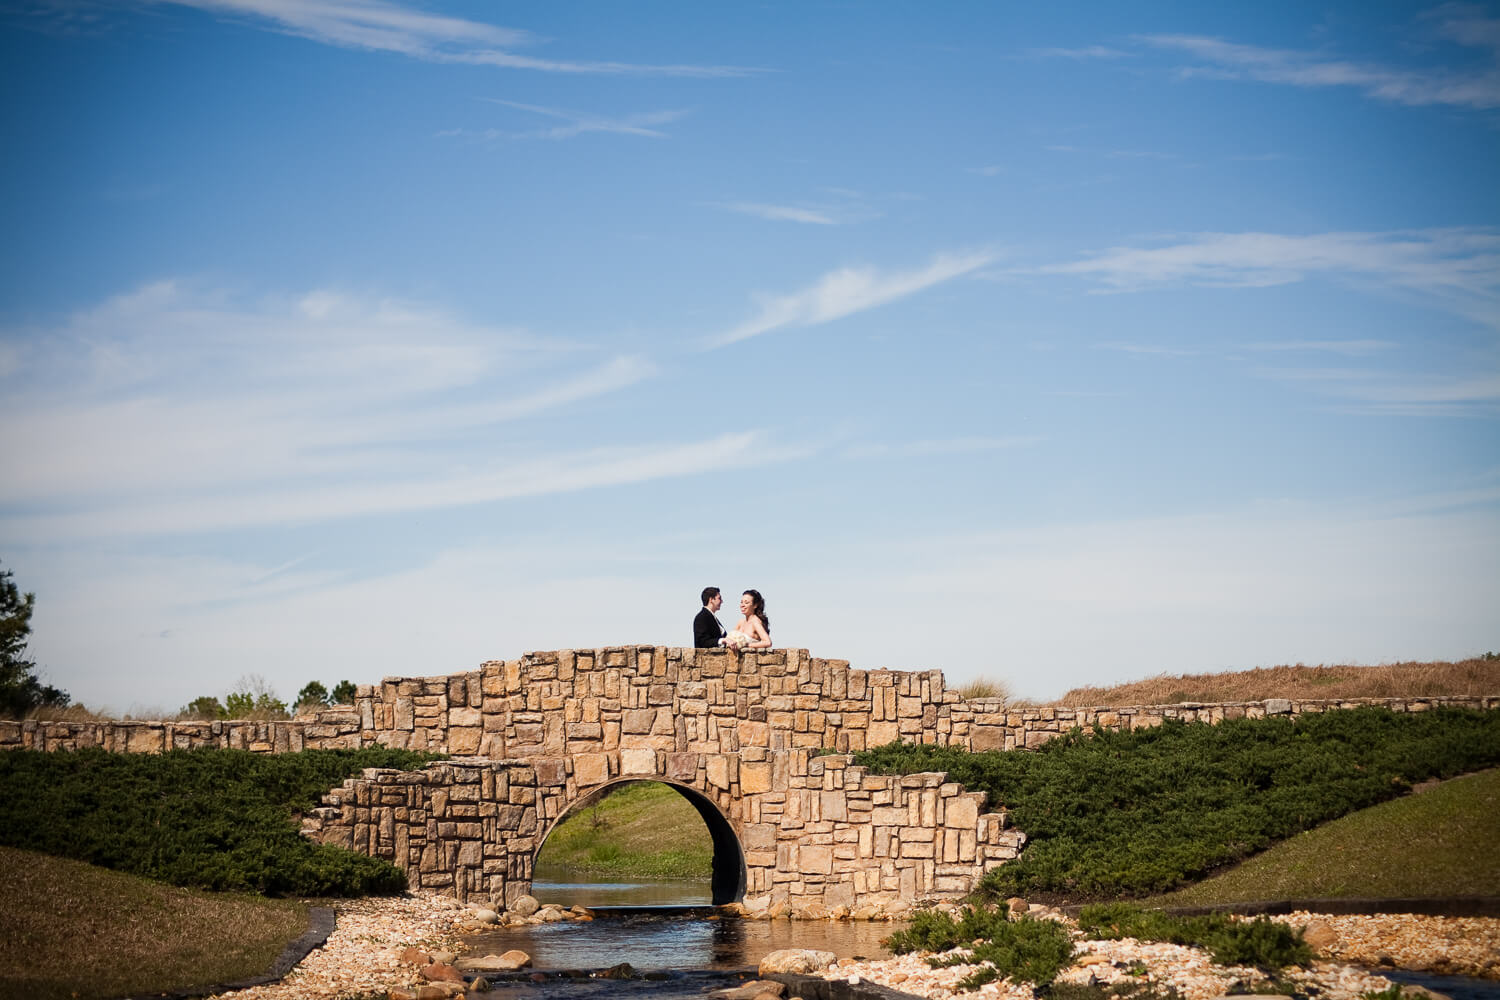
<point>758,608</point>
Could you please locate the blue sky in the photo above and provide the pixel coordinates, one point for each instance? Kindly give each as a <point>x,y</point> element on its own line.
<point>1062,344</point>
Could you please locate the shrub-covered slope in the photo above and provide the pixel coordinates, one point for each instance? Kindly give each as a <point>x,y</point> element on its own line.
<point>210,819</point>
<point>1118,814</point>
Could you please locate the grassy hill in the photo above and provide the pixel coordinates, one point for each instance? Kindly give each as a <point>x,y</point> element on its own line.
<point>1443,841</point>
<point>70,930</point>
<point>643,829</point>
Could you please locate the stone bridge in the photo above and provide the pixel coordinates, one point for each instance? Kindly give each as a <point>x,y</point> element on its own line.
<point>758,742</point>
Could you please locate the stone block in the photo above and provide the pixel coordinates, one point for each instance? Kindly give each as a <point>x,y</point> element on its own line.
<point>755,777</point>
<point>718,773</point>
<point>961,811</point>
<point>638,761</point>
<point>682,766</point>
<point>464,741</point>
<point>637,721</point>
<point>816,860</point>
<point>590,768</point>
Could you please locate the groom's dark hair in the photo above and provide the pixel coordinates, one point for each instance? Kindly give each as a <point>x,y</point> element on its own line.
<point>709,593</point>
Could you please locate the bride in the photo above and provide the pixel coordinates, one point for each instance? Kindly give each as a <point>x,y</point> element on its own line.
<point>754,629</point>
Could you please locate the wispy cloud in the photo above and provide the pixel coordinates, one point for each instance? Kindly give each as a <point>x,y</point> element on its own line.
<point>783,213</point>
<point>1153,349</point>
<point>297,405</point>
<point>850,290</point>
<point>579,122</point>
<point>1085,52</point>
<point>1459,266</point>
<point>1230,60</point>
<point>1389,393</point>
<point>1352,348</point>
<point>946,446</point>
<point>504,478</point>
<point>382,26</point>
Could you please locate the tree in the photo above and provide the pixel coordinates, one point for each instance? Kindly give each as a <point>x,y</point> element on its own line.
<point>253,698</point>
<point>204,707</point>
<point>312,695</point>
<point>20,690</point>
<point>343,693</point>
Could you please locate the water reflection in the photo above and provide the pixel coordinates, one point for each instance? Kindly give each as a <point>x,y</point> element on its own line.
<point>552,885</point>
<point>676,939</point>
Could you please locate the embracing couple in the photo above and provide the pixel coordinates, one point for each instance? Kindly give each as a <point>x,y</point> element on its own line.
<point>753,631</point>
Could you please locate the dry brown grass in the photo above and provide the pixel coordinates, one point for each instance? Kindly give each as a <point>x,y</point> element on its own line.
<point>70,930</point>
<point>1480,676</point>
<point>983,687</point>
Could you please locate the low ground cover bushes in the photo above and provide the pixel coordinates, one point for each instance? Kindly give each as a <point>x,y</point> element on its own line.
<point>1112,815</point>
<point>209,819</point>
<point>1024,950</point>
<point>1266,944</point>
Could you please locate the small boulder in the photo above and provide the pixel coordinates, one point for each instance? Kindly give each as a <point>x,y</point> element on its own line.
<point>479,985</point>
<point>396,993</point>
<point>415,956</point>
<point>622,971</point>
<point>1016,906</point>
<point>439,972</point>
<point>443,957</point>
<point>439,991</point>
<point>485,916</point>
<point>811,911</point>
<point>1319,936</point>
<point>802,961</point>
<point>524,906</point>
<point>508,962</point>
<point>752,990</point>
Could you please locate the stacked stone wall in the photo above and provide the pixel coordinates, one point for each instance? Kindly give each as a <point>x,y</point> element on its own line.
<point>814,830</point>
<point>761,738</point>
<point>591,703</point>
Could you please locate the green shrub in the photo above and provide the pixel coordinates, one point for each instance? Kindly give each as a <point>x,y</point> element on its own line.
<point>1113,814</point>
<point>210,819</point>
<point>1264,943</point>
<point>1025,950</point>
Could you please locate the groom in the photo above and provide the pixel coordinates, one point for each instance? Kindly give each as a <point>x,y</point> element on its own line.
<point>707,632</point>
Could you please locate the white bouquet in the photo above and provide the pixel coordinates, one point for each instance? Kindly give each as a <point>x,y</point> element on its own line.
<point>738,640</point>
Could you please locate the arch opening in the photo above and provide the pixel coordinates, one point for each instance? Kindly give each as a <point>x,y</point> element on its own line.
<point>727,877</point>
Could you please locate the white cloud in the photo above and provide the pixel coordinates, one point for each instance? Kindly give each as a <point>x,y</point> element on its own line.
<point>382,26</point>
<point>850,290</point>
<point>1480,90</point>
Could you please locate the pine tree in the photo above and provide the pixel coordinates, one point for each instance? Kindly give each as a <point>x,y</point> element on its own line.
<point>20,690</point>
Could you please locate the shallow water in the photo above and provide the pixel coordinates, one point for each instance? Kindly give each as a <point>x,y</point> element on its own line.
<point>681,941</point>
<point>1456,987</point>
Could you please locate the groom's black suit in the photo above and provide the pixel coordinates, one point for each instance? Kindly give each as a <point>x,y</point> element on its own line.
<point>706,630</point>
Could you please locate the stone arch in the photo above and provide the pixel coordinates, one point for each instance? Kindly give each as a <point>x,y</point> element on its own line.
<point>727,883</point>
